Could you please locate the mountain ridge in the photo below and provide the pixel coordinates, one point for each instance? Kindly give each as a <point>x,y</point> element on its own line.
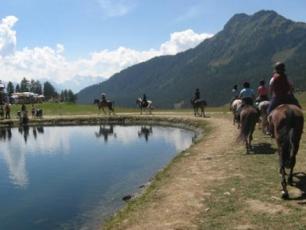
<point>245,49</point>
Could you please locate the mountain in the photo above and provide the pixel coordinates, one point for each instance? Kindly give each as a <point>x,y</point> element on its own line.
<point>245,50</point>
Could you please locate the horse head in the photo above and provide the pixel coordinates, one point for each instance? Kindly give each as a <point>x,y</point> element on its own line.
<point>138,101</point>
<point>96,101</point>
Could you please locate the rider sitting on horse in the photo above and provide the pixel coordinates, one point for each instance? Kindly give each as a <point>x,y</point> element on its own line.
<point>103,97</point>
<point>196,95</point>
<point>281,89</point>
<point>144,100</point>
<point>247,94</point>
<point>262,92</point>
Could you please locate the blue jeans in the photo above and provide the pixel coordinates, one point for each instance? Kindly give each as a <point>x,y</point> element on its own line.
<point>276,101</point>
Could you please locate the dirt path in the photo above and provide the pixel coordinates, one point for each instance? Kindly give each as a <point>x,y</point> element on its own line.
<point>178,203</point>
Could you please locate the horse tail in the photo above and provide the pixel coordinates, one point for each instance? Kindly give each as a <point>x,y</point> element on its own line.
<point>247,124</point>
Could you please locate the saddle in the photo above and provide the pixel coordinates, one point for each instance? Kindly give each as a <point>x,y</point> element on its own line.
<point>145,104</point>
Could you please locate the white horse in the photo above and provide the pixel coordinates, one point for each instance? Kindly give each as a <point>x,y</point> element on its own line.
<point>141,105</point>
<point>235,106</point>
<point>263,109</point>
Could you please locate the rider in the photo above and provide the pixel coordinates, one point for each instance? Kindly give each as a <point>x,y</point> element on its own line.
<point>196,95</point>
<point>144,100</point>
<point>235,93</point>
<point>281,89</point>
<point>247,94</point>
<point>103,95</point>
<point>262,92</point>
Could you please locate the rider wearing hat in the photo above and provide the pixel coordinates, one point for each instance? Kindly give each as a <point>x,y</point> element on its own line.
<point>281,89</point>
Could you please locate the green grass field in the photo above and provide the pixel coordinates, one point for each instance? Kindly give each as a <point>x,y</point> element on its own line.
<point>58,109</point>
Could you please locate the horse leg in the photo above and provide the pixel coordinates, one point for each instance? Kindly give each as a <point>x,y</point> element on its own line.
<point>282,171</point>
<point>285,194</point>
<point>294,150</point>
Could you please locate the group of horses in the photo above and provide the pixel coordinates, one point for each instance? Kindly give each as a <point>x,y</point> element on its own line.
<point>285,123</point>
<point>148,106</point>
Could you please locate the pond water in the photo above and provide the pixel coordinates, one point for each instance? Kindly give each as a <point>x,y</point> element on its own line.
<point>75,176</point>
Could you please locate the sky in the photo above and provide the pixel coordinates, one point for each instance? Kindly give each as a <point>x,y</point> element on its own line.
<point>60,39</point>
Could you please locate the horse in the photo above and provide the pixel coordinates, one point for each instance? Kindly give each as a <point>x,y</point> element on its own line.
<point>145,131</point>
<point>105,131</point>
<point>141,105</point>
<point>198,104</point>
<point>287,123</point>
<point>235,106</point>
<point>263,119</point>
<point>101,104</point>
<point>248,119</point>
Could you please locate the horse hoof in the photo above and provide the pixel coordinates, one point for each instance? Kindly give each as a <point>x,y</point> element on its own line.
<point>285,195</point>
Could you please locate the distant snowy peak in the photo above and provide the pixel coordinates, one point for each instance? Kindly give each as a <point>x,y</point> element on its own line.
<point>78,82</point>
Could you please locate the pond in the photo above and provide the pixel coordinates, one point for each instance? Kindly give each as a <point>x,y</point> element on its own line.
<point>70,177</point>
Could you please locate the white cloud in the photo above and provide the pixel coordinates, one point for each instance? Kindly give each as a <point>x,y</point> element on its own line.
<point>51,63</point>
<point>116,8</point>
<point>7,35</point>
<point>181,41</point>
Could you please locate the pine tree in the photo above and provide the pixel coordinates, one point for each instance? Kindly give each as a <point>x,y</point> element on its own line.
<point>24,85</point>
<point>17,89</point>
<point>10,88</point>
<point>49,90</point>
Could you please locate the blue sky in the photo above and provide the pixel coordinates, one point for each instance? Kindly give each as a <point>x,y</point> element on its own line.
<point>84,27</point>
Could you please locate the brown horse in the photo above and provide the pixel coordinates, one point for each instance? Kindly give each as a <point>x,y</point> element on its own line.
<point>102,104</point>
<point>287,122</point>
<point>248,119</point>
<point>199,104</point>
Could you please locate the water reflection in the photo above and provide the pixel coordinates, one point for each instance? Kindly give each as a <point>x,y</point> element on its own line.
<point>56,140</point>
<point>41,166</point>
<point>145,131</point>
<point>105,131</point>
<point>5,133</point>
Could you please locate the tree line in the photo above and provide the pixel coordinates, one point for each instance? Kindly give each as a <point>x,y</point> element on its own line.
<point>46,89</point>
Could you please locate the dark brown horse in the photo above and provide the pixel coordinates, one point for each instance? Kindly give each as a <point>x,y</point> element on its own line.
<point>199,104</point>
<point>248,119</point>
<point>287,122</point>
<point>102,104</point>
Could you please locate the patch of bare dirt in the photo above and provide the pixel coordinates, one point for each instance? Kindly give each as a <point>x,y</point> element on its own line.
<point>267,208</point>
